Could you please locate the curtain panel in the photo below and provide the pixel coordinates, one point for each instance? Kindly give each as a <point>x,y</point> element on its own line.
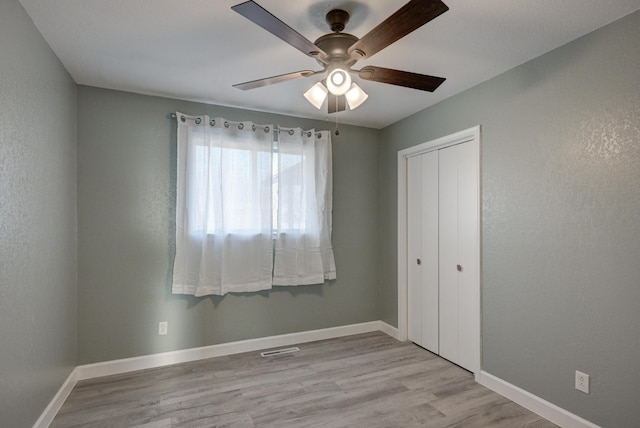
<point>253,207</point>
<point>303,251</point>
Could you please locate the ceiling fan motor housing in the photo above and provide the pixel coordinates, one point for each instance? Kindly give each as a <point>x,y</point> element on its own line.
<point>336,46</point>
<point>337,19</point>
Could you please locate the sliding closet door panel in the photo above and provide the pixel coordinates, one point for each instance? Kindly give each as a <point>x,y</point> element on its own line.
<point>430,250</point>
<point>468,278</point>
<point>448,245</point>
<point>414,248</point>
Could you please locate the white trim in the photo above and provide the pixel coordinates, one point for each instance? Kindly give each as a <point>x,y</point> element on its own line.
<point>389,330</point>
<point>471,134</point>
<point>107,368</point>
<point>403,329</point>
<point>58,400</point>
<point>547,410</point>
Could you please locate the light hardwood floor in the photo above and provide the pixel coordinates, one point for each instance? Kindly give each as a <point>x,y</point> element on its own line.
<point>367,380</point>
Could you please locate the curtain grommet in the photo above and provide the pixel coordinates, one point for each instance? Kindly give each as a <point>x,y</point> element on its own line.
<point>212,122</point>
<point>241,126</point>
<point>198,121</point>
<point>226,124</point>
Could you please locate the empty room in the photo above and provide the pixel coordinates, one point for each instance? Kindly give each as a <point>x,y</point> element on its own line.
<point>319,213</point>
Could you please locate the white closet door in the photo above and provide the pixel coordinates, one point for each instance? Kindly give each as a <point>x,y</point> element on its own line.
<point>459,294</point>
<point>448,207</point>
<point>414,249</point>
<point>430,280</point>
<point>442,230</point>
<point>422,212</point>
<point>468,247</point>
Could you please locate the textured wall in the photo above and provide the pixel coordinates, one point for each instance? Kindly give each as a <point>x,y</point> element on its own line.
<point>37,220</point>
<point>561,235</point>
<point>126,172</point>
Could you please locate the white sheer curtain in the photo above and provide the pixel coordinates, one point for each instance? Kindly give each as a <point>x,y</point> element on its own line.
<point>239,191</point>
<point>303,251</point>
<point>223,209</point>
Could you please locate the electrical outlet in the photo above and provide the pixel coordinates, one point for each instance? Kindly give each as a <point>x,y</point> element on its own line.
<point>582,382</point>
<point>163,328</point>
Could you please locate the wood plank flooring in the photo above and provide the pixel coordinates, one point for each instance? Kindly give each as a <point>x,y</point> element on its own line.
<point>368,380</point>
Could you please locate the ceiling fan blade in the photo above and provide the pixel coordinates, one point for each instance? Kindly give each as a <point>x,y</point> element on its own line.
<point>401,78</point>
<point>408,18</point>
<point>274,79</point>
<point>260,16</point>
<point>336,103</point>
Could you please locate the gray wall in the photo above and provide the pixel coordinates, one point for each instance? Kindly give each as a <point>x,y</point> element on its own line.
<point>126,173</point>
<point>561,254</point>
<point>37,220</point>
<point>560,205</point>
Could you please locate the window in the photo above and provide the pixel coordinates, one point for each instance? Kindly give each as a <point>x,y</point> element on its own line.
<point>228,207</point>
<point>284,167</point>
<point>238,190</point>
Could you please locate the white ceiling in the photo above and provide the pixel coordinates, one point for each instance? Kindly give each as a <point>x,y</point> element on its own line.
<point>196,49</point>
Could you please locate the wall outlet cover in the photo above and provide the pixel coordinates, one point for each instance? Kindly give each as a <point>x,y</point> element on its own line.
<point>582,382</point>
<point>163,328</point>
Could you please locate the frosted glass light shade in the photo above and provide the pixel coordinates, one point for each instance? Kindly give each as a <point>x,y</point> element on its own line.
<point>338,81</point>
<point>355,96</point>
<point>316,95</point>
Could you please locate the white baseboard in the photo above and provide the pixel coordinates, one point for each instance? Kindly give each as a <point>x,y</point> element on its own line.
<point>186,355</point>
<point>549,411</point>
<point>58,400</point>
<point>389,330</point>
<point>89,371</point>
<point>536,404</point>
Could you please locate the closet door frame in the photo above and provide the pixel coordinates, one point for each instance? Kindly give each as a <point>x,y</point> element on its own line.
<point>468,135</point>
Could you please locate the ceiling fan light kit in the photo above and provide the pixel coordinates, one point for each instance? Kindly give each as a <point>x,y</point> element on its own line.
<point>355,96</point>
<point>316,95</point>
<point>338,81</point>
<point>337,52</point>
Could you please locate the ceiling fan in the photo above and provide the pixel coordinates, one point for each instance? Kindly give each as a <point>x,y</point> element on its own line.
<point>337,52</point>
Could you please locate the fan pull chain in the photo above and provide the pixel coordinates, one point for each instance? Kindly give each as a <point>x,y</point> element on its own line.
<point>337,130</point>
